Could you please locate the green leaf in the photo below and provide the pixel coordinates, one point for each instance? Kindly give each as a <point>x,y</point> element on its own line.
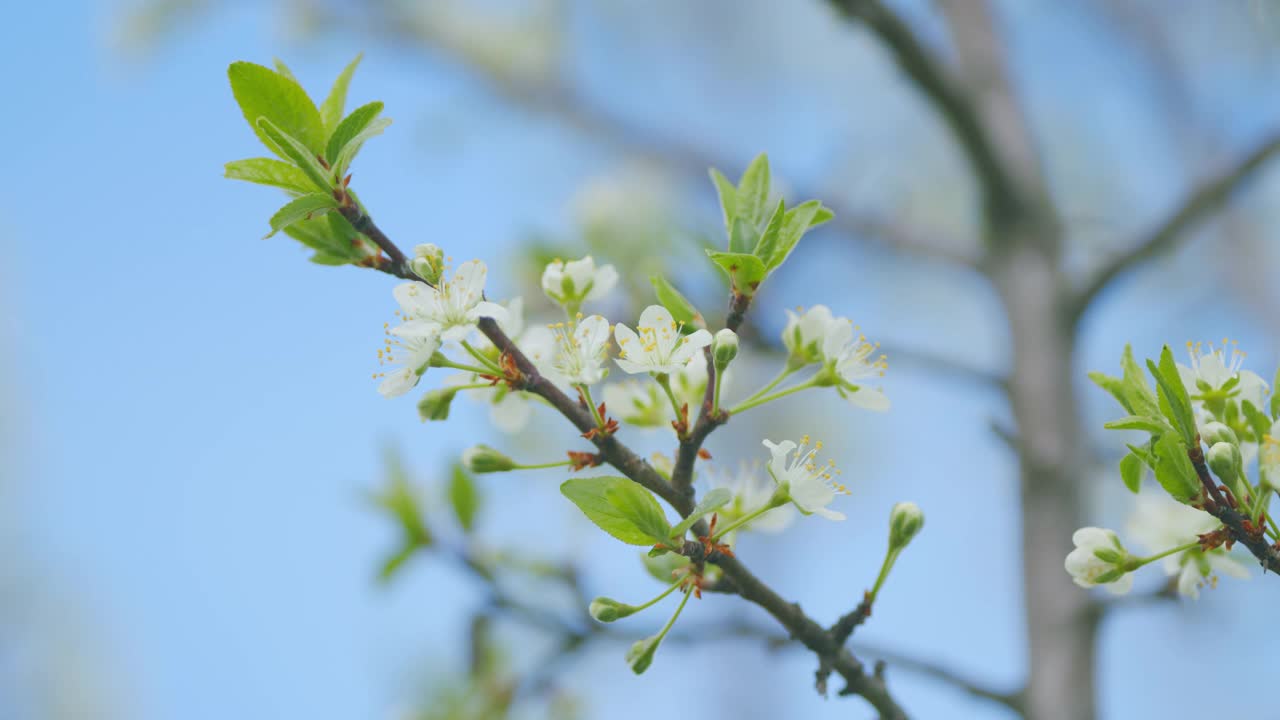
<point>682,311</point>
<point>1131,469</point>
<point>283,69</point>
<point>1275,399</point>
<point>711,502</point>
<point>400,500</point>
<point>753,193</point>
<point>264,93</point>
<point>292,149</point>
<point>1174,470</point>
<point>1114,386</point>
<point>349,151</point>
<point>662,568</point>
<point>619,507</point>
<point>1174,401</point>
<point>301,208</point>
<point>768,242</point>
<point>1144,452</point>
<point>350,127</point>
<point>1258,421</point>
<point>395,561</point>
<point>335,104</point>
<point>1155,425</point>
<point>330,236</point>
<point>464,497</point>
<point>745,271</point>
<point>744,237</point>
<point>728,199</point>
<point>798,221</point>
<point>269,171</point>
<point>1141,400</point>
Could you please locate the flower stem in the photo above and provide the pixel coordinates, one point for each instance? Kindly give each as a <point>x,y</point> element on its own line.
<point>671,623</point>
<point>1166,553</point>
<point>595,412</point>
<point>493,369</point>
<point>544,466</point>
<point>761,400</point>
<point>744,520</point>
<point>715,397</point>
<point>459,366</point>
<point>660,595</point>
<point>890,558</point>
<point>786,373</point>
<point>665,381</point>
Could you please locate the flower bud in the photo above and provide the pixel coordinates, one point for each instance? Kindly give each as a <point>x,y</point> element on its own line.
<point>435,404</point>
<point>484,459</point>
<point>905,521</point>
<point>607,610</point>
<point>1215,432</point>
<point>640,656</point>
<point>428,263</point>
<point>724,348</point>
<point>1099,559</point>
<point>1224,460</point>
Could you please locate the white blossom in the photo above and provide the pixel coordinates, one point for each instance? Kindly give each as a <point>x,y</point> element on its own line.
<point>1210,369</point>
<point>809,484</point>
<point>577,281</point>
<point>850,359</point>
<point>454,306</point>
<point>751,490</point>
<point>580,350</point>
<point>411,346</point>
<point>804,333</point>
<point>1159,523</point>
<point>659,347</point>
<point>1096,560</point>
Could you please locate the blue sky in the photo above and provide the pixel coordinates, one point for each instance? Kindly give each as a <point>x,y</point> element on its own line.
<point>197,424</point>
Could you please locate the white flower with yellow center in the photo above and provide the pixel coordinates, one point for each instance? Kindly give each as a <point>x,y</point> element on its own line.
<point>454,306</point>
<point>849,359</point>
<point>1159,523</point>
<point>658,347</point>
<point>580,350</point>
<point>410,345</point>
<point>1211,369</point>
<point>804,333</point>
<point>1098,559</point>
<point>751,490</point>
<point>570,284</point>
<point>809,484</point>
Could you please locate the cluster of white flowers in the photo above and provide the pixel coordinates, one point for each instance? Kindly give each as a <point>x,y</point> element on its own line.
<point>816,336</point>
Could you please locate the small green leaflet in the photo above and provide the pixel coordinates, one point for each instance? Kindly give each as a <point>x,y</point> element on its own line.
<point>269,171</point>
<point>620,507</point>
<point>682,311</point>
<point>336,102</point>
<point>711,502</point>
<point>745,271</point>
<point>301,208</point>
<point>263,92</point>
<point>292,149</point>
<point>349,128</point>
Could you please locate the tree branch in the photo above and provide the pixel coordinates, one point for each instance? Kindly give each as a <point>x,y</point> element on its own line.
<point>1240,528</point>
<point>1011,700</point>
<point>1002,198</point>
<point>1201,203</point>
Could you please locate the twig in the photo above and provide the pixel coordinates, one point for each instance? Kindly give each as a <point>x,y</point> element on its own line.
<point>1011,700</point>
<point>1251,537</point>
<point>1196,207</point>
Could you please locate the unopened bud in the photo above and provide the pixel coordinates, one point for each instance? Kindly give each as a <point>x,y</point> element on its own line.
<point>724,348</point>
<point>435,404</point>
<point>1224,458</point>
<point>1215,432</point>
<point>607,610</point>
<point>484,459</point>
<point>905,521</point>
<point>428,263</point>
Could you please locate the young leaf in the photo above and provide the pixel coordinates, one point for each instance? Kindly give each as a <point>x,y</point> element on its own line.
<point>335,103</point>
<point>1275,399</point>
<point>399,499</point>
<point>269,171</point>
<point>348,151</point>
<point>1174,470</point>
<point>395,561</point>
<point>1114,386</point>
<point>616,512</point>
<point>283,69</point>
<point>350,127</point>
<point>796,223</point>
<point>1174,401</point>
<point>662,568</point>
<point>743,237</point>
<point>753,193</point>
<point>464,497</point>
<point>300,208</point>
<point>637,505</point>
<point>1258,420</point>
<point>711,502</point>
<point>768,242</point>
<point>1155,425</point>
<point>292,149</point>
<point>262,92</point>
<point>1142,401</point>
<point>728,199</point>
<point>745,271</point>
<point>682,311</point>
<point>1131,469</point>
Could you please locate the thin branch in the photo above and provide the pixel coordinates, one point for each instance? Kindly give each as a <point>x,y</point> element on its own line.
<point>360,220</point>
<point>1002,198</point>
<point>1240,528</point>
<point>1012,700</point>
<point>1200,204</point>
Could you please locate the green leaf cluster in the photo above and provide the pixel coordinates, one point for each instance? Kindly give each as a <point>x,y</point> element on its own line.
<point>314,147</point>
<point>761,234</point>
<point>1166,414</point>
